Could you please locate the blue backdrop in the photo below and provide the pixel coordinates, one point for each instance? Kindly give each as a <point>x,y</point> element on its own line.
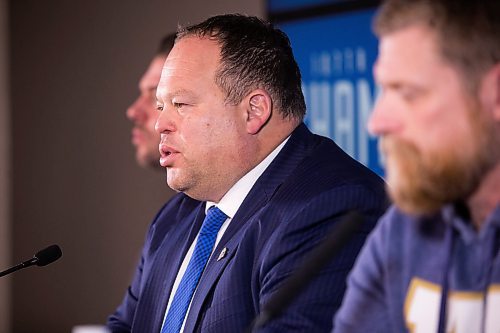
<point>336,54</point>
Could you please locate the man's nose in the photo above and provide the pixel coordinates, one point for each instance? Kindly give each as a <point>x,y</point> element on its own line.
<point>165,123</point>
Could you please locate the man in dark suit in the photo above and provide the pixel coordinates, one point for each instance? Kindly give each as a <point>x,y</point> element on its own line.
<point>233,143</point>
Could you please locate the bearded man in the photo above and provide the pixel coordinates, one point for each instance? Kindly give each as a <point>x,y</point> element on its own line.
<point>432,263</point>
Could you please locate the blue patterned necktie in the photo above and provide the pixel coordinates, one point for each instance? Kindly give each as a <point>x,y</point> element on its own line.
<point>202,250</point>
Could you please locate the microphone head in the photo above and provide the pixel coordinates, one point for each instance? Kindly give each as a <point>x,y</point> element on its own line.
<point>48,255</point>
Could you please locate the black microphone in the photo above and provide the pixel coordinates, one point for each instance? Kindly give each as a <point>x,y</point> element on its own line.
<point>341,233</point>
<point>41,258</point>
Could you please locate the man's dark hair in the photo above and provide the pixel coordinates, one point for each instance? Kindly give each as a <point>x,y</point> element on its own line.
<point>166,45</point>
<point>254,54</point>
<point>468,31</point>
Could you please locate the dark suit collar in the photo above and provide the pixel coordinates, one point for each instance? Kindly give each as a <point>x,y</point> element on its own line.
<point>294,151</point>
<point>298,146</point>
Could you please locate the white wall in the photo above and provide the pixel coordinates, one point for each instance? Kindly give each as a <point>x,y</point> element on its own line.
<point>4,171</point>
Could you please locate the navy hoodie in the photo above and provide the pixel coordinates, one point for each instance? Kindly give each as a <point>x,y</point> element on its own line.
<point>409,262</point>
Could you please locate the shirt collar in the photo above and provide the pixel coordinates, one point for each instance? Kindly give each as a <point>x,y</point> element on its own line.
<point>232,200</point>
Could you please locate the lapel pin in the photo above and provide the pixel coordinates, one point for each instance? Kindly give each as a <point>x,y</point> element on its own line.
<point>222,254</point>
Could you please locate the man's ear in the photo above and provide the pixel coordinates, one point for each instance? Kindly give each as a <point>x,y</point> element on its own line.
<point>258,110</point>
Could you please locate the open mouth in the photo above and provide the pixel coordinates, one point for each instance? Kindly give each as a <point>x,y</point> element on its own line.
<point>167,155</point>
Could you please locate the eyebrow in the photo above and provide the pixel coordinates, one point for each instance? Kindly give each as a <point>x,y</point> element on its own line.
<point>179,92</point>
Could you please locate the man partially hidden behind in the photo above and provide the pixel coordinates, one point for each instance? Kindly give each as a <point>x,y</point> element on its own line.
<point>143,113</point>
<point>257,190</point>
<point>433,262</point>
